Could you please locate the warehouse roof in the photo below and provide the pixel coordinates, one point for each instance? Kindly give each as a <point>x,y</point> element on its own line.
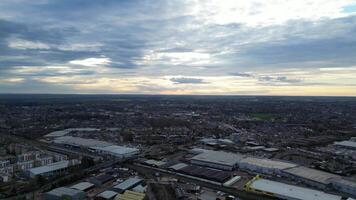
<point>108,194</point>
<point>311,174</point>
<point>64,191</point>
<point>127,184</point>
<point>130,195</point>
<point>115,149</point>
<point>294,192</point>
<point>268,163</point>
<point>82,186</point>
<point>51,167</point>
<point>343,181</point>
<point>219,157</point>
<point>346,144</point>
<point>178,166</point>
<point>77,141</point>
<point>66,131</point>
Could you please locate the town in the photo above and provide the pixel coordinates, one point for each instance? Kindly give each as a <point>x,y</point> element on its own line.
<point>162,147</point>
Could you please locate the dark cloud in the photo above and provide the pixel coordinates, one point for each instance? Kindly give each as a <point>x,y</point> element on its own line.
<point>185,80</point>
<point>279,79</point>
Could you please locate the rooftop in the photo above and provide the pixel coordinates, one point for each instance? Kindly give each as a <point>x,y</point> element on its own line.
<point>311,174</point>
<point>219,157</point>
<point>82,186</point>
<point>108,194</point>
<point>268,163</point>
<point>64,191</point>
<point>130,195</point>
<point>51,167</point>
<point>128,183</point>
<point>346,144</point>
<point>77,141</point>
<point>294,192</point>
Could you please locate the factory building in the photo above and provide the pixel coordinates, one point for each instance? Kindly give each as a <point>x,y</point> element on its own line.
<point>53,168</point>
<point>346,144</point>
<point>127,184</point>
<point>65,193</point>
<point>286,191</point>
<point>117,151</point>
<point>265,166</point>
<point>217,159</point>
<point>344,185</point>
<point>83,186</point>
<point>98,146</point>
<point>310,176</point>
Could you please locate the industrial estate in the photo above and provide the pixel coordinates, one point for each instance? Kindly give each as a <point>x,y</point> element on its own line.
<point>166,147</point>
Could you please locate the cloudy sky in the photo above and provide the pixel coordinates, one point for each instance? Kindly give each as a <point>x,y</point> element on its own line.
<point>244,47</point>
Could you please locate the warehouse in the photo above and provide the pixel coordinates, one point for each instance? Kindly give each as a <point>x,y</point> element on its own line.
<point>313,177</point>
<point>344,185</point>
<point>265,166</point>
<point>117,151</point>
<point>286,191</point>
<point>98,146</point>
<point>127,184</point>
<point>346,144</point>
<point>206,173</point>
<point>130,195</point>
<point>83,186</point>
<point>64,193</point>
<point>53,168</point>
<point>217,159</point>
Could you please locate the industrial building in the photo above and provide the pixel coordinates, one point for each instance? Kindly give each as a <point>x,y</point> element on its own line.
<point>53,168</point>
<point>97,146</point>
<point>346,144</point>
<point>83,186</point>
<point>313,177</point>
<point>106,195</point>
<point>65,193</point>
<point>117,151</point>
<point>217,159</point>
<point>130,195</point>
<point>344,185</point>
<point>286,191</point>
<point>206,173</point>
<point>127,184</point>
<point>265,166</point>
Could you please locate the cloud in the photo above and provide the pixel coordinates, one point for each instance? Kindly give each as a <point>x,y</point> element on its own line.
<point>185,80</point>
<point>242,74</point>
<point>279,79</point>
<point>92,62</point>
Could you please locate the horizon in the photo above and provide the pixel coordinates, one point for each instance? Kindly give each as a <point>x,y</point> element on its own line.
<point>189,47</point>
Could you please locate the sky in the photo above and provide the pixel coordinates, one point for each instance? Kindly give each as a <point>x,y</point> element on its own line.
<point>218,47</point>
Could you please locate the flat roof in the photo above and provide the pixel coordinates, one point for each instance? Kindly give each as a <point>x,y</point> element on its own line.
<point>78,141</point>
<point>64,191</point>
<point>51,167</point>
<point>108,194</point>
<point>344,181</point>
<point>268,163</point>
<point>82,186</point>
<point>115,149</point>
<point>291,191</point>
<point>130,195</point>
<point>219,157</point>
<point>68,130</point>
<point>128,183</point>
<point>346,143</point>
<point>178,166</point>
<point>312,174</point>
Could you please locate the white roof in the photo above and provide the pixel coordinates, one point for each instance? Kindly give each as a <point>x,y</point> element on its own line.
<point>178,166</point>
<point>291,191</point>
<point>82,186</point>
<point>51,167</point>
<point>128,183</point>
<point>108,194</point>
<point>219,157</point>
<point>115,149</point>
<point>64,191</point>
<point>67,131</point>
<point>262,162</point>
<point>312,174</point>
<point>77,141</point>
<point>346,144</point>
